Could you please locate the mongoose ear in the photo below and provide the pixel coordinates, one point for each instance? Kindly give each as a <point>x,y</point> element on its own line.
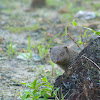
<point>66,48</point>
<point>50,49</point>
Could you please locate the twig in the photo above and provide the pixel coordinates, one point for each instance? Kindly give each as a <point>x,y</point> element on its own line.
<point>81,35</point>
<point>91,61</point>
<point>86,41</point>
<point>74,41</point>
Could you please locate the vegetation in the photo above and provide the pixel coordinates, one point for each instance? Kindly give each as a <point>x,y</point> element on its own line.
<point>11,51</point>
<point>80,41</point>
<point>39,89</point>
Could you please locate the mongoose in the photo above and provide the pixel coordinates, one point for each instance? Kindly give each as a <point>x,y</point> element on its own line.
<point>62,56</point>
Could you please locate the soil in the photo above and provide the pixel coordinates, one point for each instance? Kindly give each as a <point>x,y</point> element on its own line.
<point>15,16</point>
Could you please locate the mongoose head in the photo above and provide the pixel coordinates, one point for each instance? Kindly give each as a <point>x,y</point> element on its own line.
<point>60,55</point>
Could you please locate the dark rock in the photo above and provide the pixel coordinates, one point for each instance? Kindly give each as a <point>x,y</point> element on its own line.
<point>81,80</point>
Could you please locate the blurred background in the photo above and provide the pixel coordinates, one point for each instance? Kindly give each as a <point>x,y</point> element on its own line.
<point>28,28</point>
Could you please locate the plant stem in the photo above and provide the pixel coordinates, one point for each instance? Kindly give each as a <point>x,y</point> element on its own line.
<point>74,41</point>
<point>81,35</point>
<point>96,66</point>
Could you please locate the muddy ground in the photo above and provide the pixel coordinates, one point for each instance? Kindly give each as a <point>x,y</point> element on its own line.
<point>18,22</point>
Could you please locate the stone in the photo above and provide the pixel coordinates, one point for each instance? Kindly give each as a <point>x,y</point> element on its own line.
<point>82,80</point>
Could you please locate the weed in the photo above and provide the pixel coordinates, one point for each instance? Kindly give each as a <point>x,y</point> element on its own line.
<point>10,50</point>
<point>37,90</point>
<point>80,41</point>
<point>29,54</point>
<point>29,47</point>
<point>42,50</point>
<point>86,36</point>
<point>75,24</point>
<point>41,91</point>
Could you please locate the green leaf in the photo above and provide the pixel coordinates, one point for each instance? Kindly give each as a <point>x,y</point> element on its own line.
<point>44,79</point>
<point>74,23</point>
<point>29,85</point>
<point>47,89</point>
<point>40,84</point>
<point>88,35</point>
<point>45,94</point>
<point>28,99</point>
<point>50,86</point>
<point>24,83</point>
<point>34,91</point>
<point>89,29</point>
<point>52,63</point>
<point>33,46</point>
<point>27,94</point>
<point>79,36</point>
<point>56,35</point>
<point>85,33</point>
<point>98,33</point>
<point>24,96</point>
<point>63,34</point>
<point>34,83</point>
<point>36,97</point>
<point>80,42</point>
<point>55,92</point>
<point>66,29</point>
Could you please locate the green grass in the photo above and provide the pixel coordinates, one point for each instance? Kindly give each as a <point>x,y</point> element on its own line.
<point>42,50</point>
<point>11,51</point>
<point>29,47</point>
<point>29,55</point>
